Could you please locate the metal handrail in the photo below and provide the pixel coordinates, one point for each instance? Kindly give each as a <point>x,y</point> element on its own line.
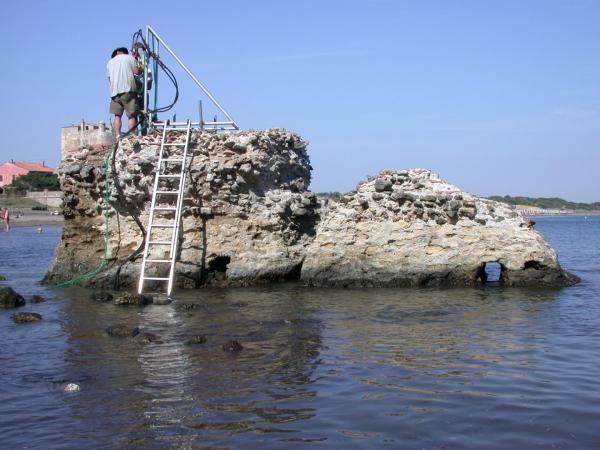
<point>222,125</point>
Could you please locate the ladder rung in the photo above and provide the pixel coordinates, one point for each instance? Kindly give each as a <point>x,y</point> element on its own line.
<point>170,144</point>
<point>156,278</point>
<point>169,176</point>
<point>167,192</point>
<point>158,260</point>
<point>159,242</point>
<point>172,160</point>
<point>166,208</point>
<point>162,225</point>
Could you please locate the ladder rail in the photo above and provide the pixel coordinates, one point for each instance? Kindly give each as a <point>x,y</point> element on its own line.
<point>175,234</point>
<point>152,206</point>
<point>163,159</point>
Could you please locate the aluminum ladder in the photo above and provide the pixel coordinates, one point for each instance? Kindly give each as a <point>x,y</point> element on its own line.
<point>172,169</point>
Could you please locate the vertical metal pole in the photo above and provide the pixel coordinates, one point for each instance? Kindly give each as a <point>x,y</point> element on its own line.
<point>201,117</point>
<point>147,60</point>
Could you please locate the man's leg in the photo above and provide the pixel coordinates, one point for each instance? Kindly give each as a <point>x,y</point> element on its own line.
<point>131,108</point>
<point>132,122</point>
<point>117,125</point>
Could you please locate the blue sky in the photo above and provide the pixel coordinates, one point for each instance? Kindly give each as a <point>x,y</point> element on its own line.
<point>498,97</point>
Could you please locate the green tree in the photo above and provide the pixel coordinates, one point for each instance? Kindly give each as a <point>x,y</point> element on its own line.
<point>36,181</point>
<point>545,202</point>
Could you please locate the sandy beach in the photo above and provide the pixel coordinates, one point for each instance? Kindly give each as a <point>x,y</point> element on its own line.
<point>28,218</point>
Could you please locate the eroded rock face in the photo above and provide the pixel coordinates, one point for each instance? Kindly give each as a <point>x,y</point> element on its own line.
<point>249,219</point>
<point>409,228</point>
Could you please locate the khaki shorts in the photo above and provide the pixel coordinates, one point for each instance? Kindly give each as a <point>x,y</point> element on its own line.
<point>127,101</point>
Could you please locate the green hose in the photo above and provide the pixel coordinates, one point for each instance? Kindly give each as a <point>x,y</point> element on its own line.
<point>104,261</point>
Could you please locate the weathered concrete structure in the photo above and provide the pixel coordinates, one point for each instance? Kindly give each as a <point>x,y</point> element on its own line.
<point>84,134</point>
<point>250,219</point>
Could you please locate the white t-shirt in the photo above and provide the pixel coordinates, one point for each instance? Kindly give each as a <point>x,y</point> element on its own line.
<point>120,74</point>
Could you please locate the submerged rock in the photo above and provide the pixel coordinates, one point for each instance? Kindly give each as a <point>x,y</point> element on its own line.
<point>161,300</point>
<point>122,331</point>
<point>232,346</point>
<point>10,299</point>
<point>37,299</point>
<point>187,306</point>
<point>198,339</point>
<point>147,338</point>
<point>25,317</point>
<point>101,296</point>
<point>133,299</point>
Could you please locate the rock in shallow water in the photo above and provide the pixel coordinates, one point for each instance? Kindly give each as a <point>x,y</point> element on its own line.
<point>25,317</point>
<point>10,299</point>
<point>198,339</point>
<point>101,296</point>
<point>133,299</point>
<point>37,299</point>
<point>232,346</point>
<point>122,331</point>
<point>72,387</point>
<point>147,338</point>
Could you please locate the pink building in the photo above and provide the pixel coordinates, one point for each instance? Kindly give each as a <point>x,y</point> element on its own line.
<point>9,171</point>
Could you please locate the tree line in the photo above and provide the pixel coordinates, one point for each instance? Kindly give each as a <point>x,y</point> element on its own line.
<point>545,202</point>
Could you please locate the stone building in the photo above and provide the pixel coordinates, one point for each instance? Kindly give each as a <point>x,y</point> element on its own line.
<point>84,134</point>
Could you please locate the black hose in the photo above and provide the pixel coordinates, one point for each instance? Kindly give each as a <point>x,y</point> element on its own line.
<point>138,39</point>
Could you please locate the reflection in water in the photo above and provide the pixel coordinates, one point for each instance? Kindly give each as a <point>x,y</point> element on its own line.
<point>169,390</point>
<point>166,370</point>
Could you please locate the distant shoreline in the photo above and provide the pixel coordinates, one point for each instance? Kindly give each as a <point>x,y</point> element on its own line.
<point>569,214</point>
<point>33,218</point>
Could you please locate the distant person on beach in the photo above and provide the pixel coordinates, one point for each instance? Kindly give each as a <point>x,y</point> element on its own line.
<point>121,70</point>
<point>4,215</point>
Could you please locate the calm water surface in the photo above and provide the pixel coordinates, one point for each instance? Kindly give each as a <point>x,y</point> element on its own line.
<point>393,368</point>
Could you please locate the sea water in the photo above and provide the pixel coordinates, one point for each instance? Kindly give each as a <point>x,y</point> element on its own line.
<point>485,367</point>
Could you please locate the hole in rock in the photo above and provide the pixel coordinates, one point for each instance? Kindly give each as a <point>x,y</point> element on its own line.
<point>532,265</point>
<point>492,272</point>
<point>219,264</point>
<point>294,273</point>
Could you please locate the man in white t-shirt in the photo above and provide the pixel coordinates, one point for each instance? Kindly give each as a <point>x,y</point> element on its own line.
<point>121,70</point>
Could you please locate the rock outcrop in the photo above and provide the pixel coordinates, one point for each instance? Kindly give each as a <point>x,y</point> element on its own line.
<point>249,219</point>
<point>409,228</point>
